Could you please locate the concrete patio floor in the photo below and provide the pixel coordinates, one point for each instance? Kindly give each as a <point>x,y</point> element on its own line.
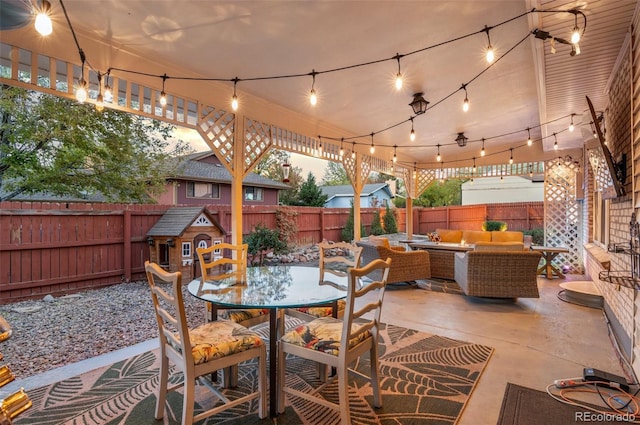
<point>536,341</point>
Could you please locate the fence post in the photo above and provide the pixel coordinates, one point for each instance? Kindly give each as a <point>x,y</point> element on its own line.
<point>321,224</point>
<point>127,246</point>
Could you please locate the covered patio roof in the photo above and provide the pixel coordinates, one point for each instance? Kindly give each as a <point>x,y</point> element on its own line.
<point>271,54</point>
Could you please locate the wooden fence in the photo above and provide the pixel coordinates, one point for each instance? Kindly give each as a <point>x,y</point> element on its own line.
<point>60,248</point>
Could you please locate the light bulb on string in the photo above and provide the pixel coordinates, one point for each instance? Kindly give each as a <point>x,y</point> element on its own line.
<point>99,98</point>
<point>395,156</point>
<point>490,54</point>
<point>529,141</point>
<point>474,169</point>
<point>108,94</point>
<point>465,103</point>
<point>313,97</point>
<point>234,98</point>
<point>341,147</point>
<point>399,74</point>
<point>575,34</point>
<point>412,135</point>
<point>442,173</point>
<point>438,156</point>
<point>415,170</point>
<point>353,151</point>
<point>372,149</point>
<point>319,145</point>
<point>555,144</point>
<point>43,20</point>
<point>482,152</point>
<point>571,126</point>
<point>511,157</point>
<point>163,95</point>
<point>81,90</point>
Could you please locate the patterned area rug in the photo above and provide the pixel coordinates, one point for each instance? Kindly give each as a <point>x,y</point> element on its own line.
<point>426,379</point>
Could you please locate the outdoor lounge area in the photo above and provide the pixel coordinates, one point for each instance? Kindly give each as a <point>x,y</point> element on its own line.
<point>475,326</point>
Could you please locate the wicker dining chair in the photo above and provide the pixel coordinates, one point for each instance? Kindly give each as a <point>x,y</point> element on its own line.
<point>200,351</point>
<point>339,342</point>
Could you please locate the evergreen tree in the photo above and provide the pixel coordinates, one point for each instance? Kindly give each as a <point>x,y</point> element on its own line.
<point>389,219</point>
<point>376,225</point>
<point>310,194</point>
<point>347,231</point>
<point>335,175</point>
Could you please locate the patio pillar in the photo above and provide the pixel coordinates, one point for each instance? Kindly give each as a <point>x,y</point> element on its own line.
<point>409,218</point>
<point>357,189</point>
<point>236,181</point>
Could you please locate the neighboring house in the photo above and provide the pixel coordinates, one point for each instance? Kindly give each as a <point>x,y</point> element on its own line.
<point>373,195</point>
<point>202,180</point>
<point>494,190</point>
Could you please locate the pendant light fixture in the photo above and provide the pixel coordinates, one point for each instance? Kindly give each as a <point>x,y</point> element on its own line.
<point>418,104</point>
<point>461,140</point>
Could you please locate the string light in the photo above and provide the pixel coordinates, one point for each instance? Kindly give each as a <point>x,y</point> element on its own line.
<point>99,98</point>
<point>530,170</point>
<point>415,170</point>
<point>43,20</point>
<point>511,158</point>
<point>442,173</point>
<point>465,103</point>
<point>234,98</point>
<point>438,157</point>
<point>108,94</point>
<point>319,145</point>
<point>313,97</point>
<point>341,147</point>
<point>529,141</point>
<point>353,151</point>
<point>412,135</point>
<point>474,165</point>
<point>490,55</point>
<point>372,149</point>
<point>395,157</point>
<point>555,144</point>
<point>482,152</point>
<point>571,126</point>
<point>81,91</point>
<point>163,95</point>
<point>575,34</point>
<point>399,74</point>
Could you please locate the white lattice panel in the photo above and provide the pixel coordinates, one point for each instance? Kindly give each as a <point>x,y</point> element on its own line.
<point>562,214</point>
<point>601,174</point>
<point>257,141</point>
<point>216,126</point>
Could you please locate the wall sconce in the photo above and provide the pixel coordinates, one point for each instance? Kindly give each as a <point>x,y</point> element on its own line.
<point>150,241</point>
<point>286,167</point>
<point>418,104</point>
<point>461,140</point>
<point>171,242</point>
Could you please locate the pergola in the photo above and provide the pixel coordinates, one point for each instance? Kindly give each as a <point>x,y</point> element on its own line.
<point>203,53</point>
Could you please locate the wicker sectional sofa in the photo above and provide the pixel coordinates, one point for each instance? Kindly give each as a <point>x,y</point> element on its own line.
<point>406,266</point>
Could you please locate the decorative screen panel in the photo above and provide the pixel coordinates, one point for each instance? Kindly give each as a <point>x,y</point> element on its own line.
<point>562,214</point>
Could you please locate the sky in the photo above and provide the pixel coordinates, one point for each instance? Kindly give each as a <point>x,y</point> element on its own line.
<point>308,164</point>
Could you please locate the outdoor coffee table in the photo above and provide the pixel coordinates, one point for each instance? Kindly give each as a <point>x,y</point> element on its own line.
<point>548,254</point>
<point>441,256</point>
<point>273,288</point>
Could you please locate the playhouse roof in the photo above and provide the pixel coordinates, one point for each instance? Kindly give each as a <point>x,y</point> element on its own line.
<point>176,220</point>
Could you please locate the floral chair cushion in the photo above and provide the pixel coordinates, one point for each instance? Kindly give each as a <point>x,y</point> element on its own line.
<point>214,340</point>
<point>322,334</point>
<point>323,311</point>
<point>239,316</point>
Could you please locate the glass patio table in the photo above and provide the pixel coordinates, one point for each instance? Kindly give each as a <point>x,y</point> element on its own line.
<point>273,288</point>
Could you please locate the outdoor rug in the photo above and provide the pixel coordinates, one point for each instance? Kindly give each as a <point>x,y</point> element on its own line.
<point>526,406</point>
<point>426,379</point>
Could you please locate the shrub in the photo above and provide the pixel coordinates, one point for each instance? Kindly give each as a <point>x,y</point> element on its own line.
<point>389,219</point>
<point>376,226</point>
<point>537,236</point>
<point>347,231</point>
<point>263,240</point>
<point>490,226</point>
<point>286,224</point>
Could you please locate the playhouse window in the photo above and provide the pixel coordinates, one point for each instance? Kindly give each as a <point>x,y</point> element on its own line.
<point>186,249</point>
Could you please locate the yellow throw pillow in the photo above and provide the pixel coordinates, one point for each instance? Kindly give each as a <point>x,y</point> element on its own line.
<point>447,235</point>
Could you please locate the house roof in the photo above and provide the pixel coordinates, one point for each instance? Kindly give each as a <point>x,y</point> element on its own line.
<point>176,220</point>
<point>347,190</point>
<point>191,167</point>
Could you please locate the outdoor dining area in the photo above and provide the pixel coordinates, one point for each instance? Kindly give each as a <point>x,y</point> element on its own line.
<point>441,320</point>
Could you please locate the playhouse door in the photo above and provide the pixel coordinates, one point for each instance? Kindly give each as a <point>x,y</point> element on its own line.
<point>200,241</point>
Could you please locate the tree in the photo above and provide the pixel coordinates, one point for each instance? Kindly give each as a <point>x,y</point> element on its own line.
<point>310,194</point>
<point>270,166</point>
<point>335,175</point>
<point>347,230</point>
<point>440,194</point>
<point>389,221</point>
<point>61,147</point>
<point>376,225</point>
